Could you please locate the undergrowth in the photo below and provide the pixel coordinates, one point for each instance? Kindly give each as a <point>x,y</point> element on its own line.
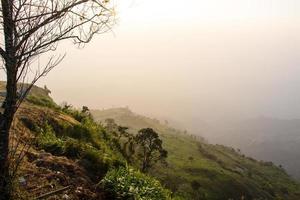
<point>83,142</point>
<point>127,183</point>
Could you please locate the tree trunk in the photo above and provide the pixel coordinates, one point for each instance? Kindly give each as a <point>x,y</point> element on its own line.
<point>5,123</point>
<point>11,97</point>
<point>4,162</point>
<point>145,161</point>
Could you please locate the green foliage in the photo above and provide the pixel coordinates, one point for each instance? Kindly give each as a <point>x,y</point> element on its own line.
<point>214,172</point>
<point>80,132</point>
<point>96,163</point>
<point>151,150</point>
<point>73,148</point>
<point>44,101</point>
<point>196,170</point>
<point>84,142</point>
<point>80,116</point>
<point>47,140</point>
<point>123,183</point>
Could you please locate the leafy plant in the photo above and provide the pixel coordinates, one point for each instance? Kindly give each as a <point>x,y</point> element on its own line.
<point>47,140</point>
<point>81,141</point>
<point>128,184</point>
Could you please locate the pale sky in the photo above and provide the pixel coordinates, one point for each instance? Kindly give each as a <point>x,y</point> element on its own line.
<point>192,59</point>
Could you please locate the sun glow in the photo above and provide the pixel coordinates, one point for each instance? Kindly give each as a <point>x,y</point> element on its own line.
<point>201,11</point>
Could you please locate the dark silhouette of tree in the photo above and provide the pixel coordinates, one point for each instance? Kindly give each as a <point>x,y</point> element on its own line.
<point>151,150</point>
<point>129,148</point>
<point>126,143</point>
<point>122,131</point>
<point>85,109</point>
<point>66,106</point>
<point>31,28</point>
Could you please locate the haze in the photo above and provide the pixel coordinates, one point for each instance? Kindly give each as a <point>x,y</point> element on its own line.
<point>190,60</point>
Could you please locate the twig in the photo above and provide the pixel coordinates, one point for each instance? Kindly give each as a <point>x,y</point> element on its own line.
<point>53,192</point>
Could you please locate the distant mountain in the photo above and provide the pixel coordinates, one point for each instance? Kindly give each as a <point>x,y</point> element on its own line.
<point>198,170</point>
<point>269,139</point>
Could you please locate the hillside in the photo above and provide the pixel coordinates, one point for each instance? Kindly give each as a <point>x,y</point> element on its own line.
<point>198,170</point>
<point>68,149</point>
<point>66,153</point>
<point>276,140</point>
<point>51,162</point>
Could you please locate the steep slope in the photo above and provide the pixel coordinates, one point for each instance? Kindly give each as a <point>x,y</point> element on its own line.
<point>197,170</point>
<point>61,149</point>
<point>64,154</point>
<point>52,161</point>
<point>69,150</point>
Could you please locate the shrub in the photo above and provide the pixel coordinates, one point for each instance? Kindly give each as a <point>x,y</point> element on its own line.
<point>73,148</point>
<point>82,141</point>
<point>93,161</point>
<point>47,140</point>
<point>76,114</point>
<point>123,183</point>
<point>79,132</point>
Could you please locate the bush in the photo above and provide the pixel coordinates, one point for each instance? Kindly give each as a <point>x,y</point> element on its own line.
<point>94,162</point>
<point>73,148</point>
<point>82,141</point>
<point>79,132</point>
<point>76,114</point>
<point>123,183</point>
<point>47,140</point>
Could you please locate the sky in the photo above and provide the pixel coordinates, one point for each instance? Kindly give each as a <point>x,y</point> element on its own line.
<point>189,60</point>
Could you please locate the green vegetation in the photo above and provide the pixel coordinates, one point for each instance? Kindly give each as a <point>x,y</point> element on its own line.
<point>109,155</point>
<point>151,150</point>
<point>197,170</point>
<point>84,141</point>
<point>123,183</point>
<point>46,102</point>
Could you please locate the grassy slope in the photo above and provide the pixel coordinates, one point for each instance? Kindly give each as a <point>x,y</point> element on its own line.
<point>214,171</point>
<point>64,151</point>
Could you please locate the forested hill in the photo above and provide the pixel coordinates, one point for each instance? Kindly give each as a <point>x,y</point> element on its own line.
<point>197,170</point>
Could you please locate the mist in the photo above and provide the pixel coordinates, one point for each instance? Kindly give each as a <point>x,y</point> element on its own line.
<point>217,60</point>
<point>160,99</point>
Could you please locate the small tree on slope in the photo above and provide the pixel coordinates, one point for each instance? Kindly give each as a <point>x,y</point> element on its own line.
<point>151,150</point>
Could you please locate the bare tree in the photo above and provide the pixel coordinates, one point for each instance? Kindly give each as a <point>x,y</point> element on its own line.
<point>31,28</point>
